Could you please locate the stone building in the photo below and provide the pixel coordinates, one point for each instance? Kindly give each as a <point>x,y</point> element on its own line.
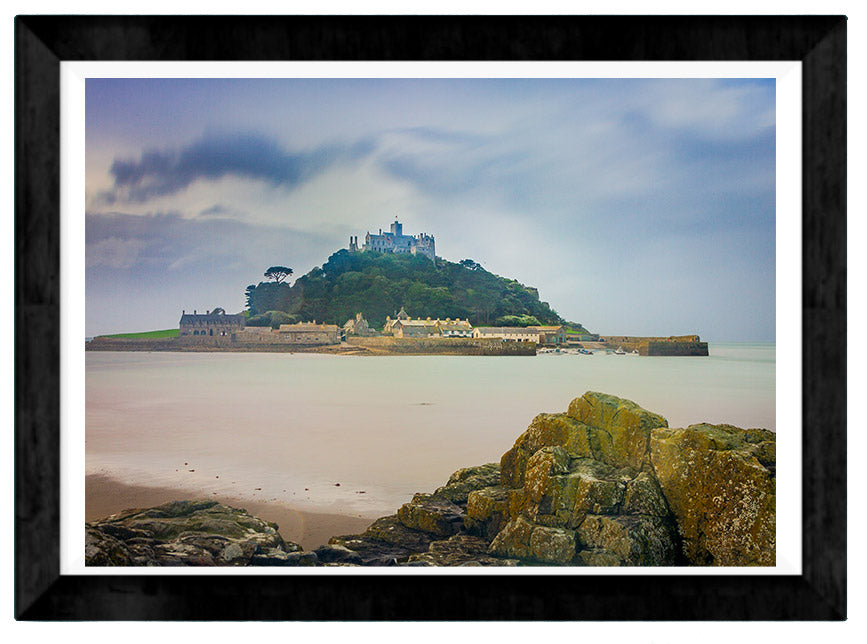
<point>389,323</point>
<point>550,334</point>
<point>455,328</point>
<point>357,326</point>
<point>415,329</point>
<point>309,333</point>
<point>214,323</point>
<point>396,242</point>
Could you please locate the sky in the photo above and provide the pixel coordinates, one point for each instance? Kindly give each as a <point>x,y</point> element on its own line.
<point>635,206</point>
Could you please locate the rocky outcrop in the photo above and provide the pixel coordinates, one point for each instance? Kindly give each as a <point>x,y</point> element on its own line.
<point>720,483</point>
<point>434,529</point>
<point>606,483</point>
<point>581,489</point>
<point>189,533</point>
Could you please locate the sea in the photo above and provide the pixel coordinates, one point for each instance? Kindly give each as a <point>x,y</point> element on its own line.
<point>359,435</point>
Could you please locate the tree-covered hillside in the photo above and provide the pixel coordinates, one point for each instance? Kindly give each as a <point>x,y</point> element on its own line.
<point>379,284</point>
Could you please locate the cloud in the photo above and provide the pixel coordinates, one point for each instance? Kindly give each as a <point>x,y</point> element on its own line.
<point>114,252</point>
<point>158,173</point>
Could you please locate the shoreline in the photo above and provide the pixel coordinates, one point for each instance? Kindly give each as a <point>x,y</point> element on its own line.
<point>104,496</point>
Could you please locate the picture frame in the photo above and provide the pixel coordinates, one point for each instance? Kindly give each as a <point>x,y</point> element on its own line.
<point>43,42</point>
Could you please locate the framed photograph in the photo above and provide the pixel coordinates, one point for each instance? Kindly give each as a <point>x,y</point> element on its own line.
<point>517,195</point>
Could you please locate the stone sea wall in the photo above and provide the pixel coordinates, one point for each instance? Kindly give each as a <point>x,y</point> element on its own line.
<point>676,345</point>
<point>354,345</point>
<point>606,483</point>
<point>443,346</point>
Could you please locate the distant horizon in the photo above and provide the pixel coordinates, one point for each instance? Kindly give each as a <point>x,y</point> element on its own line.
<point>641,204</point>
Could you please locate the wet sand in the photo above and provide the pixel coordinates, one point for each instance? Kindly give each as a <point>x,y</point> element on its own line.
<point>105,496</point>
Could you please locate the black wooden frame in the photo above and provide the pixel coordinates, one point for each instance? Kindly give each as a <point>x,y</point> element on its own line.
<point>41,42</point>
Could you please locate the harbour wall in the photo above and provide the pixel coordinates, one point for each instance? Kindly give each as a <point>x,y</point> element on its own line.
<point>674,345</point>
<point>385,345</point>
<point>354,345</point>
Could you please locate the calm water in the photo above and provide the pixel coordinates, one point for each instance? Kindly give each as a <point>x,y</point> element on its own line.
<point>382,427</point>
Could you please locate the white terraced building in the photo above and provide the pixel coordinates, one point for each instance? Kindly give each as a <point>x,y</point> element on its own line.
<point>507,333</point>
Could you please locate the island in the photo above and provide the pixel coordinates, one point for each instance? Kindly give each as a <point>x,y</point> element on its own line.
<point>358,301</point>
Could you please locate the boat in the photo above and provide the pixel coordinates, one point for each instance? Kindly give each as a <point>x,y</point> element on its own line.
<point>620,352</point>
<point>586,352</point>
<point>634,352</point>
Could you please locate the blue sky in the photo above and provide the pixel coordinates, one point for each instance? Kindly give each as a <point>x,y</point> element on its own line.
<point>635,206</point>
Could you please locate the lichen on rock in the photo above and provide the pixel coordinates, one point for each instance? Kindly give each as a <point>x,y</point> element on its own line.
<point>720,483</point>
<point>184,533</point>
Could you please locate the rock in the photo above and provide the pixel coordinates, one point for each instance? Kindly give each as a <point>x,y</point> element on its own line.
<point>514,539</point>
<point>524,540</point>
<point>431,514</point>
<point>184,533</point>
<point>598,558</point>
<point>644,496</point>
<point>276,557</point>
<point>234,554</point>
<point>563,497</point>
<point>302,559</point>
<point>390,530</point>
<point>102,549</point>
<point>385,542</point>
<point>181,554</point>
<point>333,553</point>
<point>635,540</point>
<point>720,484</point>
<point>627,424</point>
<point>460,550</point>
<point>487,511</point>
<point>550,430</point>
<point>468,479</point>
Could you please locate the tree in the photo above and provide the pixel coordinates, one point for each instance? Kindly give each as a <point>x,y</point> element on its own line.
<point>278,273</point>
<point>470,264</point>
<point>248,294</point>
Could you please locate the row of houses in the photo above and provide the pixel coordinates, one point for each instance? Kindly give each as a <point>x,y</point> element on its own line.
<point>216,324</point>
<point>403,326</point>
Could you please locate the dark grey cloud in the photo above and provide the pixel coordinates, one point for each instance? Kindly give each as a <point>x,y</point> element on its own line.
<point>164,172</point>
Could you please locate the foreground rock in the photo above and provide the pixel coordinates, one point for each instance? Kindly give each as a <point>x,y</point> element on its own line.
<point>606,483</point>
<point>720,483</point>
<point>189,533</point>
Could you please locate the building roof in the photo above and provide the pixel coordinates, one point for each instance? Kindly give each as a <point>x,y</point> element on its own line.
<point>358,320</point>
<point>415,323</point>
<point>306,327</point>
<point>212,318</point>
<point>454,324</point>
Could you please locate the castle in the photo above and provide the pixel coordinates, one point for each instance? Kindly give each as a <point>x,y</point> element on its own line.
<point>396,242</point>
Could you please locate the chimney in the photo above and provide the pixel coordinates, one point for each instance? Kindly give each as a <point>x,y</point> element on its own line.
<point>194,311</point>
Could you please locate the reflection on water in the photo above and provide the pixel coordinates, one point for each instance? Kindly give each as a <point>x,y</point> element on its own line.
<point>290,427</point>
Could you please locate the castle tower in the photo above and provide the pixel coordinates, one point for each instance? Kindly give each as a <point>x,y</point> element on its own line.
<point>353,244</point>
<point>396,228</point>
